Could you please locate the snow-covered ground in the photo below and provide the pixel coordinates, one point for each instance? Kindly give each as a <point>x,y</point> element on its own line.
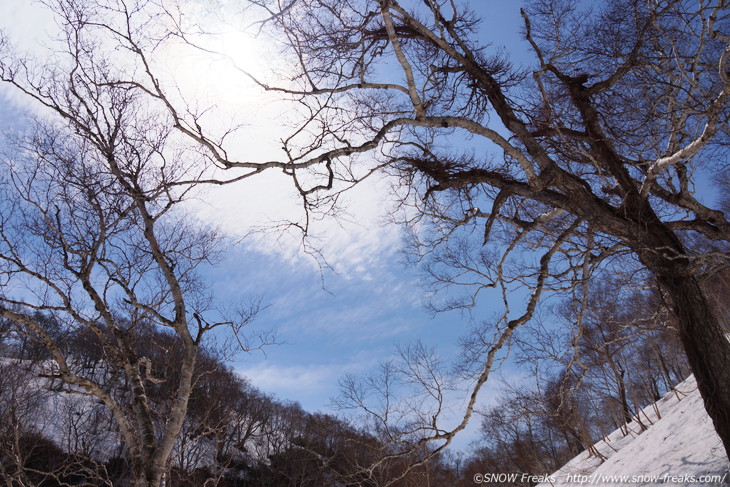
<point>74,422</point>
<point>680,448</point>
<point>79,423</point>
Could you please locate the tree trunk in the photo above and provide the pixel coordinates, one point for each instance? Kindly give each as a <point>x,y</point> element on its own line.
<point>705,343</point>
<point>574,446</point>
<point>625,410</point>
<point>144,480</point>
<point>145,473</point>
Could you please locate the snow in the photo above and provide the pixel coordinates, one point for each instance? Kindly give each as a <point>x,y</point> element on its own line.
<point>679,448</point>
<point>74,422</point>
<point>79,423</point>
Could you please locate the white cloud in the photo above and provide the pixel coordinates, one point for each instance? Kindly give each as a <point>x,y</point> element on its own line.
<point>294,378</point>
<point>312,384</point>
<point>356,245</point>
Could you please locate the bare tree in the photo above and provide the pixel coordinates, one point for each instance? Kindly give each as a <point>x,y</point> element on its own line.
<point>591,157</point>
<point>38,428</point>
<point>94,241</point>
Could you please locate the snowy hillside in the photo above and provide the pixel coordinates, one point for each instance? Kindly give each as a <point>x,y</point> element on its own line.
<point>679,448</point>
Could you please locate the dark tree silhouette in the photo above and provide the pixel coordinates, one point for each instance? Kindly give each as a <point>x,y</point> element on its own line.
<point>594,153</point>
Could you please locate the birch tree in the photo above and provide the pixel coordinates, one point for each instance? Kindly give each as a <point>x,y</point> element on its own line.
<point>593,155</point>
<point>93,233</point>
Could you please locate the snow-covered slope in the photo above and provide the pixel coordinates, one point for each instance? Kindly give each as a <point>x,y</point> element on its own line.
<point>679,448</point>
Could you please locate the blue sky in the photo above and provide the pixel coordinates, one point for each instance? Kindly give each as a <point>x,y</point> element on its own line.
<point>366,308</point>
<point>345,320</point>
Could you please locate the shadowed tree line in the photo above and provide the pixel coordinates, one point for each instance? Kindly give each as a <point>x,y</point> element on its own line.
<point>234,435</point>
<point>585,163</point>
<point>582,387</point>
<point>628,355</point>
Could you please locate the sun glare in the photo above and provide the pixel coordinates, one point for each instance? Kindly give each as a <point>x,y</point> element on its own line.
<point>236,55</point>
<point>216,62</point>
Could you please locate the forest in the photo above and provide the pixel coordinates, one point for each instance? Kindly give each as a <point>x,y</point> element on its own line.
<point>235,435</point>
<point>573,209</point>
